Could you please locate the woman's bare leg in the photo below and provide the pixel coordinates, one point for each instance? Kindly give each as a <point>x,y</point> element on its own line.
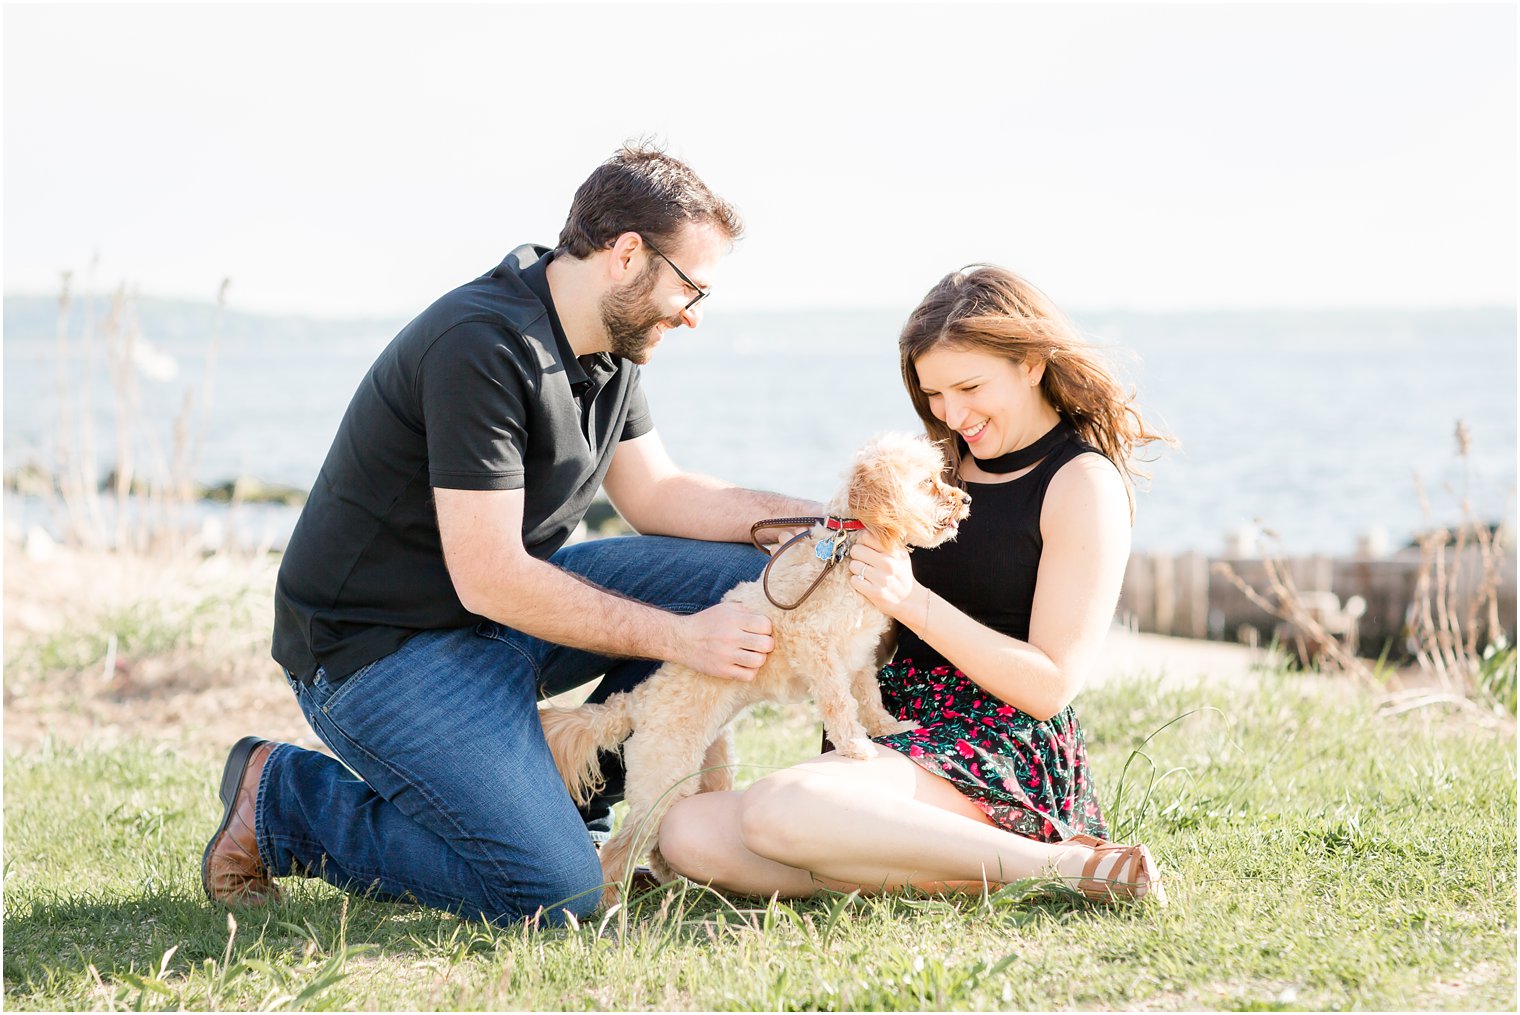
<point>838,823</point>
<point>700,839</point>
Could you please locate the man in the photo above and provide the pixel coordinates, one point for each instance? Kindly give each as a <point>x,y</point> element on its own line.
<point>426,599</point>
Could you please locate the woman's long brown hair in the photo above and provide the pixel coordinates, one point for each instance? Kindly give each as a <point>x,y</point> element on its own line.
<point>991,309</point>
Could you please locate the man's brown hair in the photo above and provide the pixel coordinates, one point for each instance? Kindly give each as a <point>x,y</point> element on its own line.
<point>642,190</point>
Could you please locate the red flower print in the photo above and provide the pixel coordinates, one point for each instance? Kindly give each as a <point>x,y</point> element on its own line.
<point>964,749</point>
<point>1004,710</point>
<point>975,770</point>
<point>915,751</point>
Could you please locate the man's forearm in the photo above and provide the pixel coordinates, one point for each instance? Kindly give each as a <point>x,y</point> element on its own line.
<point>725,640</point>
<point>557,606</point>
<point>700,507</point>
<point>495,578</point>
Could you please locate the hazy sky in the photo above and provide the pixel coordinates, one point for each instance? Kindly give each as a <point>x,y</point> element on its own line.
<point>363,159</point>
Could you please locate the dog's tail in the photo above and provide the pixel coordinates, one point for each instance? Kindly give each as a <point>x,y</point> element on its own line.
<point>577,736</point>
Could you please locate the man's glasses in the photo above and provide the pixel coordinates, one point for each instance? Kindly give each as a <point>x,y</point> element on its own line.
<point>701,295</point>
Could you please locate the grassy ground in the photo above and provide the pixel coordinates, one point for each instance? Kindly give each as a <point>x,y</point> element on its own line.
<point>1317,856</point>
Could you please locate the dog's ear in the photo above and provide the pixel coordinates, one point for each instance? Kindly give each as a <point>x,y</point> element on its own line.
<point>877,496</point>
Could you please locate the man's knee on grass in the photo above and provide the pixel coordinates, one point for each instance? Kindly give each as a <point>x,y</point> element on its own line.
<point>577,890</point>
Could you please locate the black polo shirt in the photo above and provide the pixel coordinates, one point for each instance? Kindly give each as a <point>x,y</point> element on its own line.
<point>481,392</point>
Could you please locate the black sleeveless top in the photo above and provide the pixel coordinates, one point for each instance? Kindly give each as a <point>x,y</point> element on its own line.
<point>988,570</point>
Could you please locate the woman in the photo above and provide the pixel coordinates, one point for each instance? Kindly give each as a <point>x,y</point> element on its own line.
<point>998,631</point>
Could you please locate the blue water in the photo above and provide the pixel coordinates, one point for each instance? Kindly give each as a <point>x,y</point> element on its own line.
<point>1313,422</point>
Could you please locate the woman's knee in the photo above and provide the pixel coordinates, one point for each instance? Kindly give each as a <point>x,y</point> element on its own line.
<point>694,842</point>
<point>781,816</point>
<point>682,842</point>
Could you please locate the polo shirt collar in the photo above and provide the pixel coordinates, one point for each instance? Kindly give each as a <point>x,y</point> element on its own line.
<point>593,368</point>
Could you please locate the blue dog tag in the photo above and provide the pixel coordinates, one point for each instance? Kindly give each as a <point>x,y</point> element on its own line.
<point>825,549</point>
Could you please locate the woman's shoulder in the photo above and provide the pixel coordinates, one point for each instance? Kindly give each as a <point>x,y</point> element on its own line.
<point>1083,457</point>
<point>1086,490</point>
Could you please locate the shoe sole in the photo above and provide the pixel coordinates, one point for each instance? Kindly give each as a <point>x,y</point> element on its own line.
<point>232,778</point>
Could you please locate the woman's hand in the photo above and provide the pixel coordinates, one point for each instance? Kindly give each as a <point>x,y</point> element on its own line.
<point>886,580</point>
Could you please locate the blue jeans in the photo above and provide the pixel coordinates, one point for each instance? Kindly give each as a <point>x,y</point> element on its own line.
<point>446,794</point>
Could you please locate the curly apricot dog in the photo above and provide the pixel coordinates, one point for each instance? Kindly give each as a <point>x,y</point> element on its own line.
<point>826,648</point>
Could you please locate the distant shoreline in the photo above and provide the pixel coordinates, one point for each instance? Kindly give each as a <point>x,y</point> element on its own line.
<point>35,314</point>
<point>271,501</point>
<point>1311,421</point>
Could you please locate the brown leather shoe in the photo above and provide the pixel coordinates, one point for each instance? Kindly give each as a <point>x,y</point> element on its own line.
<point>641,880</point>
<point>231,870</point>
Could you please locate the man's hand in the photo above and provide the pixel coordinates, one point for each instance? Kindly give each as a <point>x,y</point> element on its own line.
<point>772,540</point>
<point>725,641</point>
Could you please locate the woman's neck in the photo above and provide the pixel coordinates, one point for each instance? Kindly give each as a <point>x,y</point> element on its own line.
<point>1039,422</point>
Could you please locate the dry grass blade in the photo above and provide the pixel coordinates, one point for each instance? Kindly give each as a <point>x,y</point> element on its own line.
<point>145,503</point>
<point>1284,601</point>
<point>1454,619</point>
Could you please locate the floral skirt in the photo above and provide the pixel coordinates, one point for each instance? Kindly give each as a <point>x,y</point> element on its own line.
<point>1030,777</point>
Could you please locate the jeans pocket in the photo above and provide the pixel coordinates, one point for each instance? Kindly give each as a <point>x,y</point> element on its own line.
<point>522,644</point>
<point>330,695</point>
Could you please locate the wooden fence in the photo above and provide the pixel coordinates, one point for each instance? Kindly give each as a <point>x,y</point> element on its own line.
<point>1179,594</point>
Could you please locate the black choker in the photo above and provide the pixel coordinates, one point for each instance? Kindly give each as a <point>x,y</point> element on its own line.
<point>1024,457</point>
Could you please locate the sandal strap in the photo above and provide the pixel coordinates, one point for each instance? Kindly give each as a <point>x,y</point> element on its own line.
<point>1130,863</point>
<point>1126,863</point>
<point>1099,848</point>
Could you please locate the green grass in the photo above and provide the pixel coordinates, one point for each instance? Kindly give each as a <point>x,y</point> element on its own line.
<point>1317,857</point>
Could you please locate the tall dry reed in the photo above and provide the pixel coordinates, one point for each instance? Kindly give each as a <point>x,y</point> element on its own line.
<point>151,482</point>
<point>1455,630</point>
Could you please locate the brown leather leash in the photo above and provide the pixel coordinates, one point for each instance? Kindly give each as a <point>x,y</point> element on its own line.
<point>831,550</point>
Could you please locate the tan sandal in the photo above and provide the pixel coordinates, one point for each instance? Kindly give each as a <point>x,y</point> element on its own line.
<point>1132,874</point>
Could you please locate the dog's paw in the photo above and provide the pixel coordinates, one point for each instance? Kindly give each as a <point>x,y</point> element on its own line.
<point>895,727</point>
<point>859,748</point>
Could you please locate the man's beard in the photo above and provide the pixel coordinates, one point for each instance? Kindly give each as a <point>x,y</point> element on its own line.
<point>630,318</point>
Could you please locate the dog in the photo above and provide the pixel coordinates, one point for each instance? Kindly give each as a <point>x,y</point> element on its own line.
<point>827,638</point>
